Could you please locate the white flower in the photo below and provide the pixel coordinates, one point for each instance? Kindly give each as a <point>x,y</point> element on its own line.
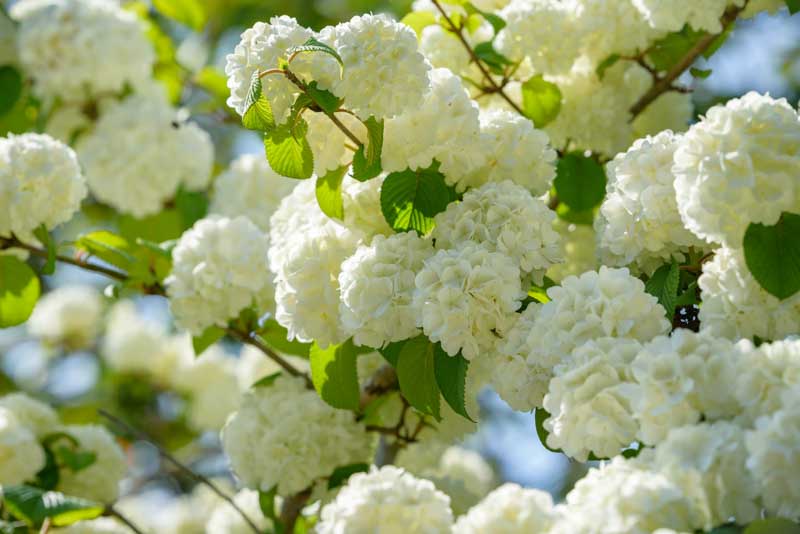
<point>736,306</point>
<point>465,298</point>
<point>384,73</point>
<point>763,375</point>
<point>219,269</point>
<point>283,433</point>
<point>21,456</point>
<point>510,509</point>
<point>225,519</point>
<point>251,188</point>
<point>681,378</point>
<point>79,49</point>
<point>737,166</point>
<point>328,142</point>
<point>253,365</point>
<point>377,283</point>
<point>502,217</point>
<point>443,49</point>
<point>101,525</point>
<point>670,111</point>
<point>100,481</point>
<point>672,15</point>
<point>362,206</point>
<point>297,213</point>
<point>387,500</point>
<point>40,183</point>
<point>68,316</point>
<point>140,152</point>
<point>31,413</point>
<point>579,244</point>
<point>639,221</point>
<point>590,410</point>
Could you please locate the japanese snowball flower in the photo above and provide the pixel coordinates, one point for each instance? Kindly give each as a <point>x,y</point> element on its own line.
<point>79,49</point>
<point>466,297</point>
<point>579,250</point>
<point>283,433</point>
<point>621,497</point>
<point>33,414</point>
<point>387,500</point>
<point>736,306</point>
<point>140,152</point>
<point>362,206</point>
<point>590,410</point>
<point>503,217</point>
<point>68,316</point>
<point>40,183</point>
<point>672,15</point>
<point>219,269</point>
<point>377,284</point>
<point>225,519</point>
<point>763,375</point>
<point>251,188</point>
<point>681,378</point>
<point>774,448</point>
<point>384,73</point>
<point>443,49</point>
<point>21,456</point>
<point>670,111</point>
<point>439,128</point>
<point>252,366</point>
<point>639,221</point>
<point>100,481</point>
<point>737,166</point>
<point>509,509</point>
<point>260,49</point>
<point>710,456</point>
<point>328,142</point>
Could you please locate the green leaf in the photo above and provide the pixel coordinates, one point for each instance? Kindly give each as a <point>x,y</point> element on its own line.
<point>162,226</point>
<point>664,286</point>
<point>580,182</point>
<point>606,64</point>
<point>329,193</point>
<point>19,291</point>
<point>276,337</point>
<point>689,296</point>
<point>214,82</point>
<point>334,374</point>
<point>418,21</point>
<point>34,505</point>
<point>669,50</point>
<point>727,529</point>
<point>772,254</point>
<point>410,199</point>
<point>10,88</point>
<point>540,416</point>
<point>451,377</point>
<point>267,381</point>
<point>49,243</point>
<point>367,159</point>
<point>143,264</point>
<point>417,377</point>
<point>327,101</point>
<point>568,214</point>
<point>190,13</point>
<point>74,460</point>
<point>793,5</point>
<point>341,474</point>
<point>493,59</point>
<point>192,206</point>
<point>210,335</point>
<point>258,112</point>
<point>700,73</point>
<point>496,21</point>
<point>541,100</point>
<point>391,352</point>
<point>313,45</point>
<point>773,525</point>
<point>266,501</point>
<point>288,151</point>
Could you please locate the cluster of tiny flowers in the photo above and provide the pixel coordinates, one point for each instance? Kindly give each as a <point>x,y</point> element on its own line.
<point>225,519</point>
<point>508,510</point>
<point>68,316</point>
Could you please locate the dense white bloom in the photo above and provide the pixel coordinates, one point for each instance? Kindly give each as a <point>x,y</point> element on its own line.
<point>384,72</point>
<point>252,365</point>
<point>31,413</point>
<point>711,457</point>
<point>101,525</point>
<point>297,214</point>
<point>21,456</point>
<point>328,142</point>
<point>77,49</point>
<point>219,269</point>
<point>736,306</point>
<point>68,316</point>
<point>225,519</point>
<point>377,283</point>
<point>140,152</point>
<point>387,500</point>
<point>579,250</point>
<point>672,15</point>
<point>590,410</point>
<point>443,49</point>
<point>40,183</point>
<point>681,378</point>
<point>465,298</point>
<point>502,217</point>
<point>100,481</point>
<point>362,206</point>
<point>282,434</point>
<point>510,509</point>
<point>251,188</point>
<point>639,221</point>
<point>739,165</point>
<point>763,375</point>
<point>212,385</point>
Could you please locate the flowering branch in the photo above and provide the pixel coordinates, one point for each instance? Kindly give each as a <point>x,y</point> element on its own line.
<point>250,338</point>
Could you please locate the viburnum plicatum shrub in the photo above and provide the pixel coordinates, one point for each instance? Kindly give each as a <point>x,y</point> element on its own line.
<point>505,194</point>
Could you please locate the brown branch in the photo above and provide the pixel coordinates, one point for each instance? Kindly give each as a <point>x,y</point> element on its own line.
<point>383,381</point>
<point>291,508</point>
<point>250,338</point>
<point>110,511</point>
<point>14,242</point>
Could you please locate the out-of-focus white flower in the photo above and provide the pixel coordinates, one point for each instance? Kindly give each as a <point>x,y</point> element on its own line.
<point>31,413</point>
<point>100,481</point>
<point>68,316</point>
<point>101,525</point>
<point>670,111</point>
<point>21,456</point>
<point>510,509</point>
<point>673,15</point>
<point>329,143</point>
<point>225,519</point>
<point>253,365</point>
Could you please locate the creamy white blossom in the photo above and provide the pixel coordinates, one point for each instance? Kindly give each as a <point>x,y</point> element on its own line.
<point>68,316</point>
<point>225,519</point>
<point>510,509</point>
<point>362,206</point>
<point>100,481</point>
<point>763,375</point>
<point>31,413</point>
<point>672,15</point>
<point>101,525</point>
<point>329,143</point>
<point>21,456</point>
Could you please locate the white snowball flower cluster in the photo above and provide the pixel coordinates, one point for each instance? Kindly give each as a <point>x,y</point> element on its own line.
<point>764,374</point>
<point>387,498</point>
<point>283,433</point>
<point>509,509</point>
<point>100,481</point>
<point>672,15</point>
<point>466,297</point>
<point>79,49</point>
<point>384,72</point>
<point>251,188</point>
<point>377,285</point>
<point>33,414</point>
<point>444,50</point>
<point>328,142</point>
<point>503,217</point>
<point>140,152</point>
<point>736,306</point>
<point>362,206</point>
<point>40,183</point>
<point>219,269</point>
<point>639,221</point>
<point>737,166</point>
<point>252,366</point>
<point>21,456</point>
<point>225,519</point>
<point>68,316</point>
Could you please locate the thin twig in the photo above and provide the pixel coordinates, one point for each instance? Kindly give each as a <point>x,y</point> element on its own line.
<point>383,381</point>
<point>48,522</point>
<point>113,512</point>
<point>253,339</point>
<point>13,242</point>
<point>291,508</point>
<point>138,434</point>
<point>270,71</point>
